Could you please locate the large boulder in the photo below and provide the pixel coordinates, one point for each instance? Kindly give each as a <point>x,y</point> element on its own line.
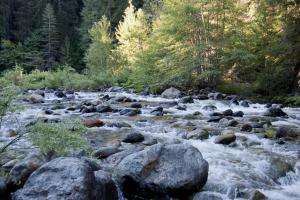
<point>275,112</point>
<point>170,169</point>
<point>67,179</point>
<point>90,122</point>
<point>171,93</point>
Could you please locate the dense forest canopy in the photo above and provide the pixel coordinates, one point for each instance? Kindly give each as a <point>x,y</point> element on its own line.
<point>236,45</point>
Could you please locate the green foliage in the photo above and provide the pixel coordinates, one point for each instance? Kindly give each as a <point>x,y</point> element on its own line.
<point>270,133</point>
<point>59,138</point>
<point>231,87</point>
<point>292,101</point>
<point>7,94</point>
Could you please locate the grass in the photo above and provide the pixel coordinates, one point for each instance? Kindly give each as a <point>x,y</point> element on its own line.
<point>59,138</point>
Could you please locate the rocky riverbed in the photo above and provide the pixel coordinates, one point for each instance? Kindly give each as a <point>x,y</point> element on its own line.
<point>172,146</point>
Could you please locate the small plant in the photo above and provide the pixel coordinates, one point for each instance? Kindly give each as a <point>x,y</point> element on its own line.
<point>7,95</point>
<point>59,138</point>
<point>270,133</point>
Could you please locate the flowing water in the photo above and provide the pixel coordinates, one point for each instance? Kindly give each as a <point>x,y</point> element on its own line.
<point>271,168</point>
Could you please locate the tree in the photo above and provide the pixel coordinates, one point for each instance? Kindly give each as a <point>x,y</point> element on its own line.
<point>50,37</point>
<point>132,33</point>
<point>98,54</point>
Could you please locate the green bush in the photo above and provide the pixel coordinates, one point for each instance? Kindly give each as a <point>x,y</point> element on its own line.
<point>230,87</point>
<point>59,138</point>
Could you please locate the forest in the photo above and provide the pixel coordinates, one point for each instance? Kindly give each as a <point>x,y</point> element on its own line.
<point>236,46</point>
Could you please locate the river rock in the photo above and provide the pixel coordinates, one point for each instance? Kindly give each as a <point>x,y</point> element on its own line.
<point>215,96</point>
<point>228,112</point>
<point>130,112</point>
<point>187,99</point>
<point>118,124</point>
<point>198,134</point>
<point>23,169</point>
<point>183,108</point>
<point>60,93</point>
<point>202,97</point>
<point>245,104</point>
<point>136,105</point>
<point>174,169</point>
<point>35,98</point>
<point>246,128</point>
<point>115,89</point>
<point>171,93</point>
<point>238,114</point>
<point>10,133</point>
<point>67,179</point>
<point>104,152</point>
<point>133,138</point>
<point>158,111</point>
<point>257,195</point>
<point>226,138</point>
<point>49,112</point>
<point>233,123</point>
<point>103,108</point>
<point>92,123</point>
<point>275,112</point>
<point>284,131</point>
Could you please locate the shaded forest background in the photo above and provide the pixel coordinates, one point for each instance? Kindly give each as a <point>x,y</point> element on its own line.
<point>236,46</point>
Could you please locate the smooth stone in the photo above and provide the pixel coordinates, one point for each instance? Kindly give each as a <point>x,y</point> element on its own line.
<point>133,138</point>
<point>171,93</point>
<point>246,128</point>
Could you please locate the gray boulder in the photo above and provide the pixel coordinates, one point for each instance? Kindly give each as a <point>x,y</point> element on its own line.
<point>171,93</point>
<point>174,169</point>
<point>104,152</point>
<point>198,134</point>
<point>67,179</point>
<point>35,98</point>
<point>133,138</point>
<point>206,196</point>
<point>284,131</point>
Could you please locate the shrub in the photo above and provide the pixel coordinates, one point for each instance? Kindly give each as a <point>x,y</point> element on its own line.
<point>59,138</point>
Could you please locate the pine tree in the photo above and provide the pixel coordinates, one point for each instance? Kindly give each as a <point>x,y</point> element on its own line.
<point>50,37</point>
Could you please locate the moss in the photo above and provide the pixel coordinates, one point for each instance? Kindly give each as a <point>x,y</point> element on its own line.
<point>270,133</point>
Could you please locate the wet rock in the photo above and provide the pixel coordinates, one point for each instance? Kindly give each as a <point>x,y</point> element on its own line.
<point>40,92</point>
<point>171,93</point>
<point>130,112</point>
<point>215,114</point>
<point>186,100</point>
<point>136,105</point>
<point>183,108</point>
<point>158,111</point>
<point>118,124</point>
<point>189,124</point>
<point>168,104</point>
<point>133,138</point>
<point>71,108</point>
<point>245,104</point>
<point>60,94</point>
<point>49,112</point>
<point>226,138</point>
<point>257,195</point>
<point>202,97</point>
<point>206,196</point>
<point>35,99</point>
<point>214,118</point>
<point>215,96</point>
<point>23,169</point>
<point>284,132</point>
<point>231,97</point>
<point>238,114</point>
<point>228,112</point>
<point>66,178</point>
<point>10,133</point>
<point>198,134</point>
<point>275,112</point>
<point>104,152</point>
<point>150,173</point>
<point>92,122</point>
<point>88,109</point>
<point>209,108</point>
<point>233,123</point>
<point>268,105</point>
<point>58,107</point>
<point>103,108</point>
<point>246,128</point>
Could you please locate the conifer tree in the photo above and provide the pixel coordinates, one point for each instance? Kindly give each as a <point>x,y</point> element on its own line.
<point>50,37</point>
